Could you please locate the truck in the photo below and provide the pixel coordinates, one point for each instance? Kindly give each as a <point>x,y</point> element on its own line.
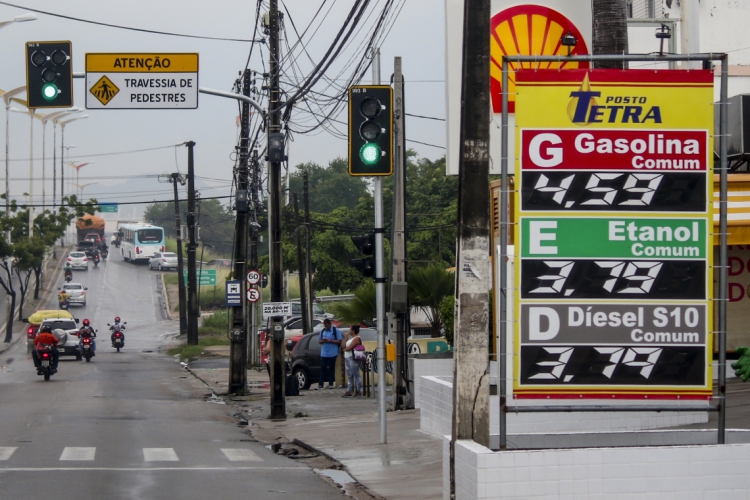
<point>89,224</point>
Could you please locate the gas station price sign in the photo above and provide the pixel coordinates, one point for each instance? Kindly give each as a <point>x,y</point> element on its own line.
<point>613,254</point>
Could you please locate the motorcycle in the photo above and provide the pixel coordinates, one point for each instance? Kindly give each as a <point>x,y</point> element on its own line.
<point>68,276</point>
<point>86,347</point>
<point>96,260</point>
<point>65,305</point>
<point>104,254</point>
<point>45,363</point>
<point>118,339</point>
<point>118,342</point>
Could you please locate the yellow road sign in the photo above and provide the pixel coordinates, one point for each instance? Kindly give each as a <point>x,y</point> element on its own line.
<point>142,63</point>
<point>104,90</point>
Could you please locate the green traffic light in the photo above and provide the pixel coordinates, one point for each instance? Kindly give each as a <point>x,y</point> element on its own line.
<point>370,153</point>
<point>50,91</point>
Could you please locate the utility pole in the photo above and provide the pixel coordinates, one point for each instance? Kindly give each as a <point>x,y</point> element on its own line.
<point>192,246</point>
<point>306,320</point>
<point>379,277</point>
<point>399,304</point>
<point>471,392</point>
<point>278,368</point>
<point>238,349</point>
<point>308,260</point>
<point>174,179</point>
<point>254,226</point>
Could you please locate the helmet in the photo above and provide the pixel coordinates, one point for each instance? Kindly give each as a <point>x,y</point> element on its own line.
<point>86,322</point>
<point>45,329</point>
<point>117,319</point>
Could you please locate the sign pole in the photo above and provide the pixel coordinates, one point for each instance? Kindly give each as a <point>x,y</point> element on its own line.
<point>192,246</point>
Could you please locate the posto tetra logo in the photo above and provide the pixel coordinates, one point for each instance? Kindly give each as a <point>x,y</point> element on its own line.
<point>588,106</point>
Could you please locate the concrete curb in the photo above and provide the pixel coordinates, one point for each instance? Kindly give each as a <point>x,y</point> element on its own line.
<point>166,298</point>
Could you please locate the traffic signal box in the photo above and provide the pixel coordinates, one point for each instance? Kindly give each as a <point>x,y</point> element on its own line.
<point>366,245</point>
<point>370,130</point>
<point>49,74</point>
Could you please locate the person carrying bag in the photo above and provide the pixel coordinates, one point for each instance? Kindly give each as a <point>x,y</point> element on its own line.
<point>353,350</point>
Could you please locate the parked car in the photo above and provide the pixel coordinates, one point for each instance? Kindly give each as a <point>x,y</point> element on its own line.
<point>70,326</point>
<point>318,311</point>
<point>35,321</point>
<point>77,293</point>
<point>79,260</point>
<point>293,326</point>
<point>163,260</point>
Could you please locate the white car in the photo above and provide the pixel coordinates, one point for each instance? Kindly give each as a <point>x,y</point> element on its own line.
<point>77,293</point>
<point>163,260</point>
<point>78,260</point>
<point>70,347</point>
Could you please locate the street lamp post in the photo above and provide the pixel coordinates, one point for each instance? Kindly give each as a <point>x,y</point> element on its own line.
<point>44,119</point>
<point>62,147</point>
<point>29,16</point>
<point>30,199</point>
<point>78,171</point>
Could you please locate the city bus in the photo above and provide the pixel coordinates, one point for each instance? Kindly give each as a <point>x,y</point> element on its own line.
<point>140,241</point>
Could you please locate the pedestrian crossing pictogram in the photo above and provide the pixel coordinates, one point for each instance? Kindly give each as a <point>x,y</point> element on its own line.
<point>104,90</point>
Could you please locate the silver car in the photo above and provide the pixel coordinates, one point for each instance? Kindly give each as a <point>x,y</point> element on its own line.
<point>69,326</point>
<point>163,260</point>
<point>78,260</point>
<point>77,293</point>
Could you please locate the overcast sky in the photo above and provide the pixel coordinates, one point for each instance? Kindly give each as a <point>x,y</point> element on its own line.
<point>417,36</point>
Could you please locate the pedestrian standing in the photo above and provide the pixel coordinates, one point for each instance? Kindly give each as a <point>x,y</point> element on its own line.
<point>352,365</point>
<point>330,339</point>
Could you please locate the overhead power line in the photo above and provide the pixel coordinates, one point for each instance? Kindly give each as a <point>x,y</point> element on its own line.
<point>130,28</point>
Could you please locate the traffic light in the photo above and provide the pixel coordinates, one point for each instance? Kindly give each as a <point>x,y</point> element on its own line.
<point>370,130</point>
<point>49,74</point>
<point>366,245</point>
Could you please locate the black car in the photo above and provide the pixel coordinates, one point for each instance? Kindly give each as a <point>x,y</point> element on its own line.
<point>86,246</point>
<point>305,364</point>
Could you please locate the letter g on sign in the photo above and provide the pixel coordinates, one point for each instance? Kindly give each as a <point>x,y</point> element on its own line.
<point>541,150</point>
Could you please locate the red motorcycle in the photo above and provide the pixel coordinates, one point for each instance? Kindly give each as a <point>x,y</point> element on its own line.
<point>45,362</point>
<point>117,340</point>
<point>87,348</point>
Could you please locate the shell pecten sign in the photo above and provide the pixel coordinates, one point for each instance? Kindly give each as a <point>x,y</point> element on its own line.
<point>516,28</point>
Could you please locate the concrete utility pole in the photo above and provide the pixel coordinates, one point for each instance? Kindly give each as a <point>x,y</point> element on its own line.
<point>238,350</point>
<point>471,355</point>
<point>254,205</point>
<point>306,320</point>
<point>308,260</point>
<point>379,277</point>
<point>399,304</point>
<point>176,178</point>
<point>192,246</point>
<point>278,368</point>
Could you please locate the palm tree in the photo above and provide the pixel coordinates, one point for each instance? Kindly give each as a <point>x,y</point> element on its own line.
<point>361,308</point>
<point>610,30</point>
<point>427,288</point>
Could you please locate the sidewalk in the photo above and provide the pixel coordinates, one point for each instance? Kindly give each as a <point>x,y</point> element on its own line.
<point>409,466</point>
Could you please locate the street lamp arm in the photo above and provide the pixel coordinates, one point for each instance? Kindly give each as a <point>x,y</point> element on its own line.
<point>231,95</point>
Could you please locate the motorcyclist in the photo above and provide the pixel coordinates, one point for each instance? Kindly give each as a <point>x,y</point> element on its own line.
<point>86,332</point>
<point>63,298</point>
<point>96,254</point>
<point>117,326</point>
<point>68,269</point>
<point>45,338</point>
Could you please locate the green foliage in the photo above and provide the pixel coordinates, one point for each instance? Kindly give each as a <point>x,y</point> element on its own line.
<point>329,188</point>
<point>742,366</point>
<point>186,352</point>
<point>447,316</point>
<point>361,308</point>
<point>428,286</point>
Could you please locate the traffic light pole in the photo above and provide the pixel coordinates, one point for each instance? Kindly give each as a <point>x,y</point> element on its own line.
<point>278,371</point>
<point>379,278</point>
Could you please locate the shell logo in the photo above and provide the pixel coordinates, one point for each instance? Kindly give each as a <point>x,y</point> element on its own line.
<point>527,30</point>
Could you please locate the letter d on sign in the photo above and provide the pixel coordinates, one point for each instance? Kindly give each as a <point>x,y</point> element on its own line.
<point>535,323</point>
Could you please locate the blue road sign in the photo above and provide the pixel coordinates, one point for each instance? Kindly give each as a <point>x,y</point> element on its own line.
<point>234,293</point>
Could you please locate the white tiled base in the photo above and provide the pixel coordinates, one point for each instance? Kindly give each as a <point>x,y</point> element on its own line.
<point>684,472</point>
<point>441,367</point>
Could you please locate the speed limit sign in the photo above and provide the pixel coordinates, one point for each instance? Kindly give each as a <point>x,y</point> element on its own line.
<point>253,277</point>
<point>253,295</point>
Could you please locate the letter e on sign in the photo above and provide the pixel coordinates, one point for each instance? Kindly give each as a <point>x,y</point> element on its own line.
<point>253,295</point>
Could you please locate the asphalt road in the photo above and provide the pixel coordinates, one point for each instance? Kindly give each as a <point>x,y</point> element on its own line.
<point>132,425</point>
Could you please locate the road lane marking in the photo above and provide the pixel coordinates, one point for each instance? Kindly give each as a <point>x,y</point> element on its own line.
<point>6,452</point>
<point>77,453</point>
<point>160,455</point>
<point>145,469</point>
<point>240,455</point>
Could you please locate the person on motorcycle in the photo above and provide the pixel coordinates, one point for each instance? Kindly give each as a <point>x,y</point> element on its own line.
<point>45,338</point>
<point>86,332</point>
<point>68,269</point>
<point>96,254</point>
<point>117,326</point>
<point>63,298</point>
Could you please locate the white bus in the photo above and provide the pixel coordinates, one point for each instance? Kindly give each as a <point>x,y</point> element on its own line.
<point>140,241</point>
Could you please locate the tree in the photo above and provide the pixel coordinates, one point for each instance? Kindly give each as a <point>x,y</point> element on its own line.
<point>610,30</point>
<point>361,309</point>
<point>329,188</point>
<point>428,286</point>
<point>29,256</point>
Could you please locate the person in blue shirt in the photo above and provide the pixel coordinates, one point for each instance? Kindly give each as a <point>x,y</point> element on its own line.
<point>330,340</point>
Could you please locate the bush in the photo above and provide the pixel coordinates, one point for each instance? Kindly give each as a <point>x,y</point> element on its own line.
<point>447,311</point>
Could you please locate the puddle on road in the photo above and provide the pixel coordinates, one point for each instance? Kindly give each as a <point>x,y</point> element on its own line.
<point>340,477</point>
